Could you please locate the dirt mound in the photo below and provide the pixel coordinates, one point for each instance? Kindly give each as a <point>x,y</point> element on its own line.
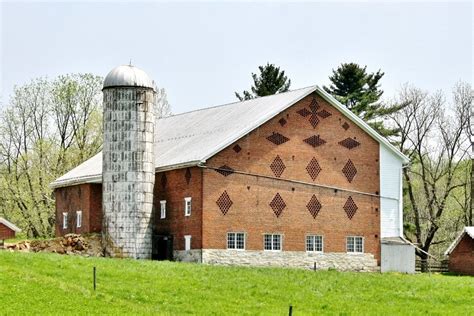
<point>71,244</point>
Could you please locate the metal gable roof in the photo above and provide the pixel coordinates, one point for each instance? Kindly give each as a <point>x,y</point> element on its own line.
<point>191,138</point>
<point>469,230</point>
<point>9,225</point>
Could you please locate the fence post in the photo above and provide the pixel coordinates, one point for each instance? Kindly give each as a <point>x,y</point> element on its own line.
<point>290,311</point>
<point>94,274</point>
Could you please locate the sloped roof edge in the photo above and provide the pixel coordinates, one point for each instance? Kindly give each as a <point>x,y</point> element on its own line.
<point>9,225</point>
<point>469,230</point>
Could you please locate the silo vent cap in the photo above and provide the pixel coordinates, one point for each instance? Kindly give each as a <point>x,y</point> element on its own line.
<point>128,76</point>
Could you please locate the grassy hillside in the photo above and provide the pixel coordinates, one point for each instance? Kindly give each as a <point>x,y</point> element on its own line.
<point>52,284</point>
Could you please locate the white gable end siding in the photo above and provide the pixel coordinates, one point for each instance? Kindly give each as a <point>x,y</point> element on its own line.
<point>390,190</point>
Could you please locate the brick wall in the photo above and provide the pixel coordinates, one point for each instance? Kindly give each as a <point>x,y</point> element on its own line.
<point>5,232</point>
<point>83,197</point>
<point>461,260</point>
<point>251,195</point>
<point>173,186</point>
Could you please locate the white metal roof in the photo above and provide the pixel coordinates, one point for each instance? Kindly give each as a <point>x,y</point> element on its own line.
<point>191,138</point>
<point>469,230</point>
<point>128,76</point>
<point>9,225</point>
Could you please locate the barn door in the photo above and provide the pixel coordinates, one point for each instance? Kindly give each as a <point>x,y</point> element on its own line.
<point>162,247</point>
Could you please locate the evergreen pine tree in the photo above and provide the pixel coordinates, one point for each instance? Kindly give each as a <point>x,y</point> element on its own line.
<point>360,92</point>
<point>271,80</point>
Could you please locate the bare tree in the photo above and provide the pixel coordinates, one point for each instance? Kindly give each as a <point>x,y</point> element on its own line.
<point>434,139</point>
<point>45,129</point>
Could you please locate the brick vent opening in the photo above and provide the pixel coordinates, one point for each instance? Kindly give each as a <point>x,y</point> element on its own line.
<point>225,170</point>
<point>277,138</point>
<point>163,180</point>
<point>224,202</point>
<point>314,141</point>
<point>350,207</point>
<point>187,175</point>
<point>313,168</point>
<point>349,143</point>
<point>349,170</point>
<point>277,204</point>
<point>314,206</point>
<point>237,148</point>
<point>277,166</point>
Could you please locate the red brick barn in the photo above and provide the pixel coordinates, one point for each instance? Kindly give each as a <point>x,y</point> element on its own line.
<point>7,230</point>
<point>293,179</point>
<point>461,252</point>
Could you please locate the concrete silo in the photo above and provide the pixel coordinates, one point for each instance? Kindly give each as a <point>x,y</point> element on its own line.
<point>128,162</point>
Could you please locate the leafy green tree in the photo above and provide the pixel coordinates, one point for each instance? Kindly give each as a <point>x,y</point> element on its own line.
<point>360,92</point>
<point>271,80</point>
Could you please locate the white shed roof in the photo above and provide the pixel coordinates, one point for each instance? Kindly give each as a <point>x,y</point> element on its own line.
<point>191,138</point>
<point>9,225</point>
<point>469,230</point>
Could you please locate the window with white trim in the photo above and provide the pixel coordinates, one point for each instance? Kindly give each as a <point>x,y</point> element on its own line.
<point>78,219</point>
<point>355,244</point>
<point>162,209</point>
<point>236,241</point>
<point>314,243</point>
<point>272,242</point>
<point>187,206</point>
<point>187,242</point>
<point>64,220</point>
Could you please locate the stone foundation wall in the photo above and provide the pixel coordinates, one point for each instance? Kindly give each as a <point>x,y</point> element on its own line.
<point>294,259</point>
<point>194,255</point>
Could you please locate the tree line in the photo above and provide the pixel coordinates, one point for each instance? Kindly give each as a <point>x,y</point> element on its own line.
<point>50,126</point>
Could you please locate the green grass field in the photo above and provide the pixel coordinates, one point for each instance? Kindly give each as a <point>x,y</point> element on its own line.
<point>52,284</point>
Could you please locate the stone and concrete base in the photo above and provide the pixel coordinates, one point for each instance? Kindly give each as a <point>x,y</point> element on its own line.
<point>294,259</point>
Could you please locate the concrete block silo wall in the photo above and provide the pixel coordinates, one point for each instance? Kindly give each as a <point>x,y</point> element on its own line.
<point>128,171</point>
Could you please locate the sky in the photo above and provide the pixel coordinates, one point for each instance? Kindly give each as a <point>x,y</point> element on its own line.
<point>201,52</point>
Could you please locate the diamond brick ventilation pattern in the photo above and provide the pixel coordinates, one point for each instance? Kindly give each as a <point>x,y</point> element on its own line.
<point>277,138</point>
<point>277,205</point>
<point>314,141</point>
<point>303,112</point>
<point>349,170</point>
<point>314,120</point>
<point>277,166</point>
<point>224,202</point>
<point>324,114</point>
<point>349,143</point>
<point>225,170</point>
<point>313,168</point>
<point>350,207</point>
<point>345,126</point>
<point>314,106</point>
<point>237,148</point>
<point>282,122</point>
<point>314,206</point>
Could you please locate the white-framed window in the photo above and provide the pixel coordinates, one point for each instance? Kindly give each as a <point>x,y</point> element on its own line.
<point>162,209</point>
<point>236,241</point>
<point>355,244</point>
<point>78,219</point>
<point>187,206</point>
<point>272,242</point>
<point>314,243</point>
<point>187,242</point>
<point>64,220</point>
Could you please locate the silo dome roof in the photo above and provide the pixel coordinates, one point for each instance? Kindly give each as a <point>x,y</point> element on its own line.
<point>128,76</point>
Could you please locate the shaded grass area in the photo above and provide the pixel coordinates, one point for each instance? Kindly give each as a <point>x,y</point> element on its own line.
<point>40,283</point>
